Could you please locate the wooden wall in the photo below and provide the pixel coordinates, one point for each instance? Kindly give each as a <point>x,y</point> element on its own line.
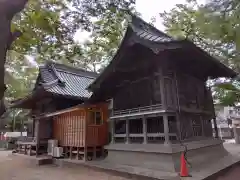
<point>69,128</point>
<point>74,129</point>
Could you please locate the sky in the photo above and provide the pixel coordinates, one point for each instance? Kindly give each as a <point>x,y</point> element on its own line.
<point>148,9</point>
<point>152,8</point>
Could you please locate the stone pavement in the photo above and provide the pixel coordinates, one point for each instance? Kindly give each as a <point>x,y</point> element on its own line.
<point>232,147</point>
<point>14,168</point>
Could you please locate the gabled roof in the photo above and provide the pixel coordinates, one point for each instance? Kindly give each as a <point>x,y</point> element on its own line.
<point>60,80</point>
<point>65,80</point>
<point>148,32</point>
<point>140,32</point>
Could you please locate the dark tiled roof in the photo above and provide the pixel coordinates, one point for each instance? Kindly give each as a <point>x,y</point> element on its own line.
<point>65,80</point>
<point>140,32</point>
<point>148,32</point>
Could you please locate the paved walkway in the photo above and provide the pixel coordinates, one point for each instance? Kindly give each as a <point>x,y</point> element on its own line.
<point>234,173</point>
<point>232,147</point>
<point>13,168</point>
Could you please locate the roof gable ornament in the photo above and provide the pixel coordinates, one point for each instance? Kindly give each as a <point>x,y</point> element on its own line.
<point>155,50</point>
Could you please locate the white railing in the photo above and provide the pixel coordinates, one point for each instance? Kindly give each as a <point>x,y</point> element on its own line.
<point>137,110</point>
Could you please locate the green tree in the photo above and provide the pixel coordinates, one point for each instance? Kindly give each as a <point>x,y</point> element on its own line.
<point>107,29</point>
<point>215,28</point>
<point>45,30</point>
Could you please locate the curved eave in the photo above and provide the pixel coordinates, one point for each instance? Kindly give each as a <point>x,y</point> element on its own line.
<point>224,70</point>
<point>112,63</point>
<point>157,42</point>
<point>129,40</point>
<point>28,101</point>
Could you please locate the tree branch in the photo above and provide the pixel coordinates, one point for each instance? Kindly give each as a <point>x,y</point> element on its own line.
<point>13,7</point>
<point>8,8</point>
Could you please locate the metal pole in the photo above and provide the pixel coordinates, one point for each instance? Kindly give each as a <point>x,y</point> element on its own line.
<point>13,123</point>
<point>215,127</point>
<point>21,128</point>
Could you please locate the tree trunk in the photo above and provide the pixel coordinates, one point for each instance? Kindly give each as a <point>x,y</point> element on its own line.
<point>8,9</point>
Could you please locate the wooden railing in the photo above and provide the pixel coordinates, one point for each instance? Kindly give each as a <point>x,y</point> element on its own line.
<point>137,110</point>
<point>27,139</point>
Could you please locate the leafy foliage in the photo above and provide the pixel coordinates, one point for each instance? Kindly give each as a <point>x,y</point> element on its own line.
<point>215,28</point>
<point>227,94</point>
<point>108,28</point>
<point>48,34</point>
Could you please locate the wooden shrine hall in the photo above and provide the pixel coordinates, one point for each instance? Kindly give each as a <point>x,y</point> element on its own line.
<point>58,88</point>
<point>155,88</point>
<point>159,100</point>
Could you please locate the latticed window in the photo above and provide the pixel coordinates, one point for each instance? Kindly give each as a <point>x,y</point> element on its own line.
<point>172,124</point>
<point>186,127</point>
<point>169,93</point>
<point>155,125</point>
<point>95,118</point>
<point>136,126</point>
<point>197,126</point>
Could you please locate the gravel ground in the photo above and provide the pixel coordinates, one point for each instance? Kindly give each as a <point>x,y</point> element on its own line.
<point>13,168</point>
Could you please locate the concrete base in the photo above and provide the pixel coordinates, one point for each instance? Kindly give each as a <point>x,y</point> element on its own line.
<point>166,158</point>
<point>206,157</point>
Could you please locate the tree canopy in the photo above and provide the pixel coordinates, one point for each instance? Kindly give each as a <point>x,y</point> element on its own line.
<point>215,28</point>
<point>46,31</point>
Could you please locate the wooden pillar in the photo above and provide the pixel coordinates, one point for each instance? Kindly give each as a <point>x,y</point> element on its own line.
<point>77,153</point>
<point>127,131</point>
<point>203,124</point>
<point>163,95</point>
<point>178,129</point>
<point>215,127</point>
<point>37,136</point>
<point>166,129</point>
<point>94,152</point>
<point>144,130</point>
<point>33,128</point>
<point>71,152</point>
<point>112,131</point>
<point>85,138</point>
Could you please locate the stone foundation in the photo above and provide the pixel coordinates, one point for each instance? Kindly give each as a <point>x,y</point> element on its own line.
<point>165,158</point>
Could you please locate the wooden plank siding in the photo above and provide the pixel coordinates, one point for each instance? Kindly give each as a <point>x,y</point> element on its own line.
<point>72,128</point>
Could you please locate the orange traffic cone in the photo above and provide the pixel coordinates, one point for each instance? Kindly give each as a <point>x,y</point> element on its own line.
<point>184,169</point>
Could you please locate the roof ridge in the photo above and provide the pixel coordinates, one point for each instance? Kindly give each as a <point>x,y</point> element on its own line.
<point>69,68</point>
<point>136,20</point>
<point>81,75</point>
